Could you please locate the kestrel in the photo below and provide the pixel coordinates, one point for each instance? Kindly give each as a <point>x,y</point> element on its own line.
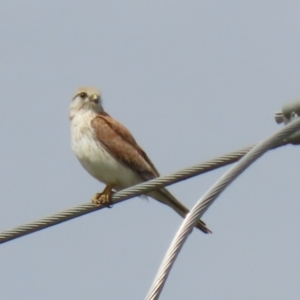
<point>108,151</point>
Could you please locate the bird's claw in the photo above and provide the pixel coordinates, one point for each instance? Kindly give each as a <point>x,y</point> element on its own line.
<point>103,198</point>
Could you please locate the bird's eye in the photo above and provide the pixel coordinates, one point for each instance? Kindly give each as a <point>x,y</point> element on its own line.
<point>82,95</point>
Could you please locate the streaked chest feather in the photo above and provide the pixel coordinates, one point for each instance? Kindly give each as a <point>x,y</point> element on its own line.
<point>95,158</point>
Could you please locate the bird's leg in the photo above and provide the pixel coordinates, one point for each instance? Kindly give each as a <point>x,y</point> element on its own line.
<point>103,198</point>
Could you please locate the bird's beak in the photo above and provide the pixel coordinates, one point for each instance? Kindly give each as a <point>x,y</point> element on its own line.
<point>94,98</point>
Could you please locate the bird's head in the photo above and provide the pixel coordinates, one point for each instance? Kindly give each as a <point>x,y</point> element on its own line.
<point>86,99</point>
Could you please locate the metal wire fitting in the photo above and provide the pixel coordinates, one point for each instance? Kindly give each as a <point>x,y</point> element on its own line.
<point>289,112</point>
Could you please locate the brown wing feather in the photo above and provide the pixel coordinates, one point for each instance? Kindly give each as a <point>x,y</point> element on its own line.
<point>122,145</point>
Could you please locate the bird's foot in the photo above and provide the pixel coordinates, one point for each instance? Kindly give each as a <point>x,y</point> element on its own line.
<point>103,198</point>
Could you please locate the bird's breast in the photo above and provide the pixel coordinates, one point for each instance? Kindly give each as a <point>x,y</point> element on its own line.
<point>96,159</point>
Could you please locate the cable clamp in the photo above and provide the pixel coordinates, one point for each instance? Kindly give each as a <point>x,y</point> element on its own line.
<point>289,112</point>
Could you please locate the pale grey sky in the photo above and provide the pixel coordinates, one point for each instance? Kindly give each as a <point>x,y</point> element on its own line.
<point>192,80</point>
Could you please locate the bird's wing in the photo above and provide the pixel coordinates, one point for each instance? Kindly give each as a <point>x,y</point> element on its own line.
<point>121,144</point>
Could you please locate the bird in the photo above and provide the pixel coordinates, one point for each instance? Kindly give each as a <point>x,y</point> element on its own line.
<point>107,151</point>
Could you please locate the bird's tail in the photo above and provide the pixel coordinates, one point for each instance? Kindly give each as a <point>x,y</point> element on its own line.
<point>165,197</point>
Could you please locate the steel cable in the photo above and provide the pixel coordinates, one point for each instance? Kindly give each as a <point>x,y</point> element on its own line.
<point>125,194</point>
<point>208,198</point>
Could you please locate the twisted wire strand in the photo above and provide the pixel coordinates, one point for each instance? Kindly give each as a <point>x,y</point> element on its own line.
<point>208,198</point>
<point>125,194</point>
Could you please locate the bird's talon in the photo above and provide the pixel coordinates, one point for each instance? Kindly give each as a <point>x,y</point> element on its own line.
<point>96,200</point>
<point>103,198</point>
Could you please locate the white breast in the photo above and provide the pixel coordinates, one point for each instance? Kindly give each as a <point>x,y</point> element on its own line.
<point>95,158</point>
